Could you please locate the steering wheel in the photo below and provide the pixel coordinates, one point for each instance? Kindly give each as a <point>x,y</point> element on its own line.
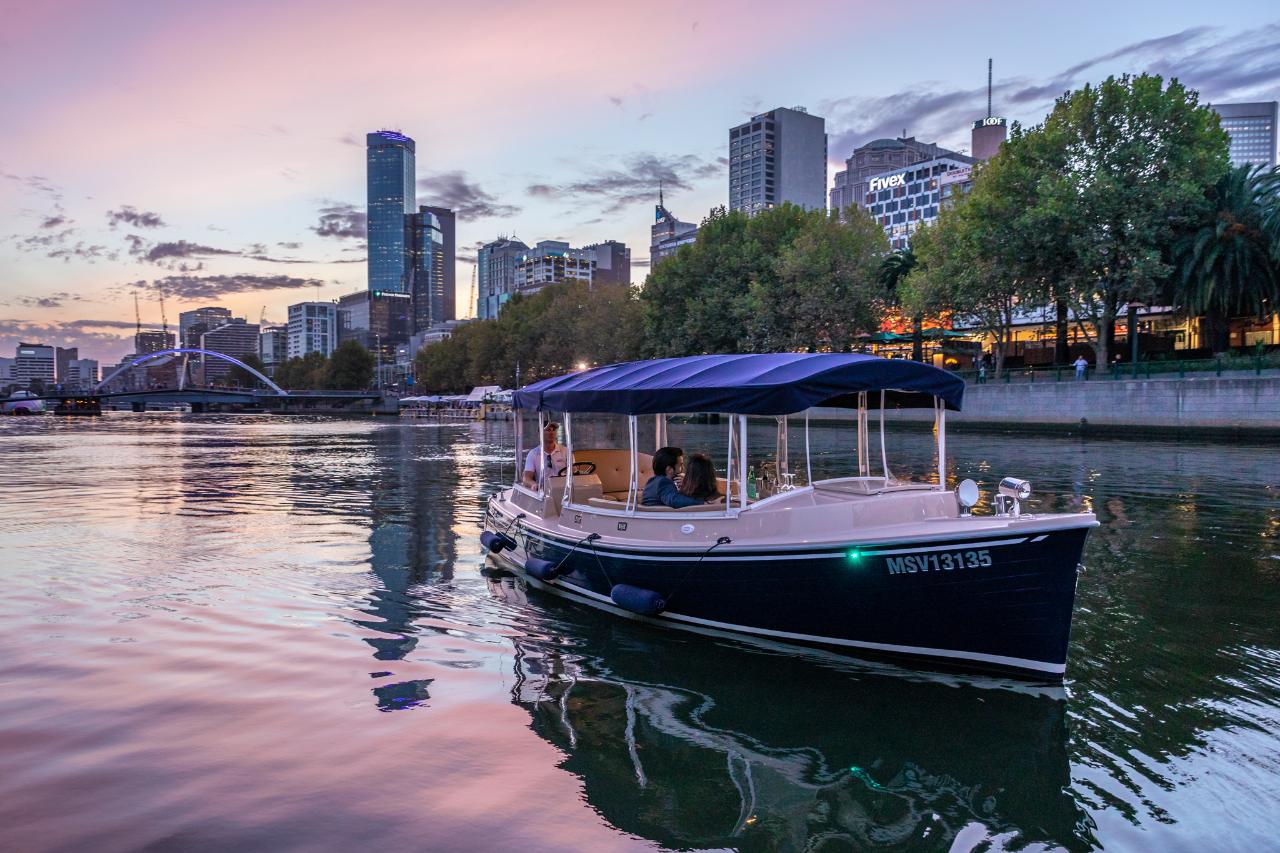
<point>583,468</point>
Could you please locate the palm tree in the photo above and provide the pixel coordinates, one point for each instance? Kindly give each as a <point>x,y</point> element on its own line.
<point>893,269</point>
<point>1231,263</point>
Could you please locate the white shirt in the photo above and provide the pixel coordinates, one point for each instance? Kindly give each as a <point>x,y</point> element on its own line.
<point>555,461</point>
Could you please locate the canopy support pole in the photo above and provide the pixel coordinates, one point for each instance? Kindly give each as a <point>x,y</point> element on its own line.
<point>660,430</point>
<point>568,452</point>
<point>519,416</point>
<point>941,419</point>
<point>808,464</point>
<point>884,457</point>
<point>864,452</point>
<point>742,458</point>
<point>783,450</point>
<point>542,453</point>
<point>633,485</point>
<point>728,471</point>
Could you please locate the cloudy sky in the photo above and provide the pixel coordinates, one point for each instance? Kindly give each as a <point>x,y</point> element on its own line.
<point>214,150</point>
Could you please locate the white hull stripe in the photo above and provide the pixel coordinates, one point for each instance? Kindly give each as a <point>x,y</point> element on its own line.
<point>818,555</point>
<point>693,623</point>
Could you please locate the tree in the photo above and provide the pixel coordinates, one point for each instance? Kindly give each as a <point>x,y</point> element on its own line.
<point>308,372</point>
<point>350,368</point>
<point>1134,160</point>
<point>237,375</point>
<point>1230,263</point>
<point>895,267</point>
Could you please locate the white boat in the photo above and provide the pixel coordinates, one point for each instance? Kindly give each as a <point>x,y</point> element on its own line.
<point>867,564</point>
<point>22,403</point>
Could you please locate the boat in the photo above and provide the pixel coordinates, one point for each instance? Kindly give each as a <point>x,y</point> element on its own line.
<point>78,405</point>
<point>868,564</point>
<point>22,403</point>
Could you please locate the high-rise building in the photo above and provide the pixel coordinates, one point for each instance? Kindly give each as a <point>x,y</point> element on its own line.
<point>778,156</point>
<point>448,221</point>
<point>876,158</point>
<point>668,233</point>
<point>612,262</point>
<point>313,327</point>
<point>1252,128</point>
<point>391,198</point>
<point>207,318</point>
<point>904,199</point>
<point>990,132</point>
<point>273,347</point>
<point>81,372</point>
<point>430,287</point>
<point>378,321</point>
<point>63,356</point>
<point>496,264</point>
<point>552,261</point>
<point>152,340</point>
<point>34,361</point>
<point>235,338</point>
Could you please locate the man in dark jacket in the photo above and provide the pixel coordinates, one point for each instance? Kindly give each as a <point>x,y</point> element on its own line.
<point>661,489</point>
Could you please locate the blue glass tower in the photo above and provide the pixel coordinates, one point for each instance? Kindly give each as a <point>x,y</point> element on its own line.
<point>391,198</point>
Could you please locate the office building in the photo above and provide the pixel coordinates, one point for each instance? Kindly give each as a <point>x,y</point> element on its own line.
<point>552,261</point>
<point>496,264</point>
<point>313,327</point>
<point>448,222</point>
<point>668,233</point>
<point>378,321</point>
<point>904,199</point>
<point>779,156</point>
<point>206,318</point>
<point>429,283</point>
<point>876,158</point>
<point>990,132</point>
<point>6,372</point>
<point>81,372</point>
<point>62,357</point>
<point>273,347</point>
<point>152,340</point>
<point>391,198</point>
<point>34,361</point>
<point>612,262</point>
<point>1252,129</point>
<point>235,338</point>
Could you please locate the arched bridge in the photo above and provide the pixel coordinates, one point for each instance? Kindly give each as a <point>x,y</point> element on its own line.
<point>166,353</point>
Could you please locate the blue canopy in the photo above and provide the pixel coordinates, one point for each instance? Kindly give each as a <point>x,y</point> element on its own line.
<point>766,384</point>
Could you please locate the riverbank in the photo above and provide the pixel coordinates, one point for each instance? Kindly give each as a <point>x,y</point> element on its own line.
<point>1247,407</point>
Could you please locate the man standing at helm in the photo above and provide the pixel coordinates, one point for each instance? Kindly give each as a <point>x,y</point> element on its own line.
<point>554,458</point>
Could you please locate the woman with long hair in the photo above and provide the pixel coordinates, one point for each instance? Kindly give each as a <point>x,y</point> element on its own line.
<point>700,478</point>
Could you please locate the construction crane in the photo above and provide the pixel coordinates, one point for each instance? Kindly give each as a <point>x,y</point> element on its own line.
<point>164,319</point>
<point>137,315</point>
<point>474,304</point>
<point>262,318</point>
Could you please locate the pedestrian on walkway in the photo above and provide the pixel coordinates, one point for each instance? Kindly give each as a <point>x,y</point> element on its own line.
<point>1081,367</point>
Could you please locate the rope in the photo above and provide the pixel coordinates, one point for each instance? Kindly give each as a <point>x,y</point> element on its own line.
<point>723,540</point>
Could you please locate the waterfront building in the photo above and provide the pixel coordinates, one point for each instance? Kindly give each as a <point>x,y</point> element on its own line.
<point>429,283</point>
<point>6,371</point>
<point>668,233</point>
<point>62,357</point>
<point>152,340</point>
<point>448,224</point>
<point>236,338</point>
<point>904,199</point>
<point>205,318</point>
<point>552,261</point>
<point>876,158</point>
<point>1252,128</point>
<point>379,321</point>
<point>34,361</point>
<point>612,262</point>
<point>273,346</point>
<point>313,327</point>
<point>81,372</point>
<point>496,273</point>
<point>391,198</point>
<point>778,156</point>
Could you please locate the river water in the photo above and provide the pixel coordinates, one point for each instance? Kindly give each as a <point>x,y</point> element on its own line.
<point>263,633</point>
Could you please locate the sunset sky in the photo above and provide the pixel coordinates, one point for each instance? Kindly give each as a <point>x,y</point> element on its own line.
<point>218,148</point>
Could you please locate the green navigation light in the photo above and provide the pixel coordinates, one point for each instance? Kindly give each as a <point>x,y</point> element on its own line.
<point>854,556</point>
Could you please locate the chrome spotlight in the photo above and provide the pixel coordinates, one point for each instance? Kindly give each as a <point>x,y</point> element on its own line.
<point>967,496</point>
<point>1011,492</point>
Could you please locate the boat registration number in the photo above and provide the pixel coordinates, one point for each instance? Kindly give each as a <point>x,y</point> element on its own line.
<point>944,561</point>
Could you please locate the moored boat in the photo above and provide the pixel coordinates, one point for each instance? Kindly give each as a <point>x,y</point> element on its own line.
<point>868,564</point>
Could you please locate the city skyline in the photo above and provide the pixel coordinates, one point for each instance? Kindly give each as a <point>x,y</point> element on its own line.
<point>236,177</point>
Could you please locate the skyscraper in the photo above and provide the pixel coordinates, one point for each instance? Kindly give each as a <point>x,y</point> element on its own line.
<point>778,156</point>
<point>1252,128</point>
<point>313,327</point>
<point>990,132</point>
<point>496,264</point>
<point>391,199</point>
<point>206,318</point>
<point>668,233</point>
<point>430,289</point>
<point>449,233</point>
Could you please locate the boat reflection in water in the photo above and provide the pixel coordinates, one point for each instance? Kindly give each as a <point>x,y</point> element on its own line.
<point>708,744</point>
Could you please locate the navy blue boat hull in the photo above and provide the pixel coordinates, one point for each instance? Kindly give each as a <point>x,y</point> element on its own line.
<point>995,602</point>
